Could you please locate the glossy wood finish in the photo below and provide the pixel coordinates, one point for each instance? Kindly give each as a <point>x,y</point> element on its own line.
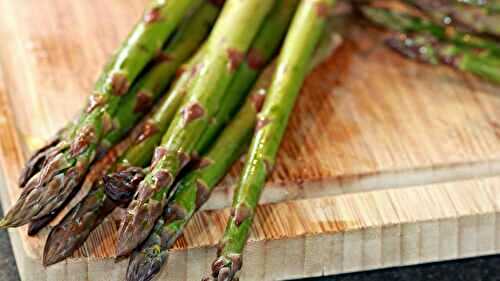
<point>367,123</point>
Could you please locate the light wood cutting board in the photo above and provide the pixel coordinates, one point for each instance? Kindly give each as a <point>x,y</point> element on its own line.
<point>386,162</point>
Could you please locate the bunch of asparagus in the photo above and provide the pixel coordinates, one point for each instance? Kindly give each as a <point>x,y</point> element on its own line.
<point>191,89</point>
<point>461,34</point>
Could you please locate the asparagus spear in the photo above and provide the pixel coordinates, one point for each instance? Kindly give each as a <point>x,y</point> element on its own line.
<point>67,162</point>
<point>138,148</point>
<point>190,194</point>
<point>427,49</point>
<point>469,17</point>
<point>407,23</point>
<point>295,56</point>
<point>226,45</point>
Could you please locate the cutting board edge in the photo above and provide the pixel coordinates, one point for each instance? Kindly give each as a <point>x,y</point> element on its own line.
<point>354,246</point>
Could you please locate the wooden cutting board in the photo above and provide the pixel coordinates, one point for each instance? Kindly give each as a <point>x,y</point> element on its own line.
<point>394,162</point>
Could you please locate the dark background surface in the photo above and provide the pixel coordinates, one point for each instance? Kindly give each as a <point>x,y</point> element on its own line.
<point>478,269</point>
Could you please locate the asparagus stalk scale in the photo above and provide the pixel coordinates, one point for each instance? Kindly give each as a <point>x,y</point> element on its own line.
<point>68,161</point>
<point>226,45</point>
<point>295,56</point>
<point>148,259</point>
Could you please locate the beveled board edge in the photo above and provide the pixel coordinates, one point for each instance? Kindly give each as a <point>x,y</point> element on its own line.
<point>324,236</point>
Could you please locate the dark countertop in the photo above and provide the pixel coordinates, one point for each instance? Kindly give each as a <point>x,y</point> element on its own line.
<point>477,269</point>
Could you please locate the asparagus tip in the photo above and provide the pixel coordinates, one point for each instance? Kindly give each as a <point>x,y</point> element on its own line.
<point>52,256</point>
<point>35,162</point>
<point>143,267</point>
<point>34,227</point>
<point>4,223</point>
<point>136,225</point>
<point>120,187</point>
<point>226,268</point>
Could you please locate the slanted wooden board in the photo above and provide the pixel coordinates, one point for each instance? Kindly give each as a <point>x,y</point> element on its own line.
<point>398,143</point>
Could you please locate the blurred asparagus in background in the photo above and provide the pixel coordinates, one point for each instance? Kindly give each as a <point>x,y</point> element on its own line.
<point>479,18</point>
<point>408,23</point>
<point>418,38</point>
<point>429,50</point>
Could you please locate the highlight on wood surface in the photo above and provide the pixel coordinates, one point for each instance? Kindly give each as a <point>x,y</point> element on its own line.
<point>179,103</point>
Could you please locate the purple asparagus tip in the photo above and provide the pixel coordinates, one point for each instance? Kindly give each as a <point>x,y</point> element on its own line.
<point>143,266</point>
<point>120,187</point>
<point>35,163</point>
<point>225,268</point>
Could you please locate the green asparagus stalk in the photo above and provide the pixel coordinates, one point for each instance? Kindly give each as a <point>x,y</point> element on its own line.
<point>429,50</point>
<point>469,17</point>
<point>68,162</point>
<point>226,47</point>
<point>136,151</point>
<point>190,194</point>
<point>302,38</point>
<point>407,23</point>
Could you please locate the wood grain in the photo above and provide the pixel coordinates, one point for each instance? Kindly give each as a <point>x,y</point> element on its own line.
<point>328,235</point>
<point>366,120</point>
